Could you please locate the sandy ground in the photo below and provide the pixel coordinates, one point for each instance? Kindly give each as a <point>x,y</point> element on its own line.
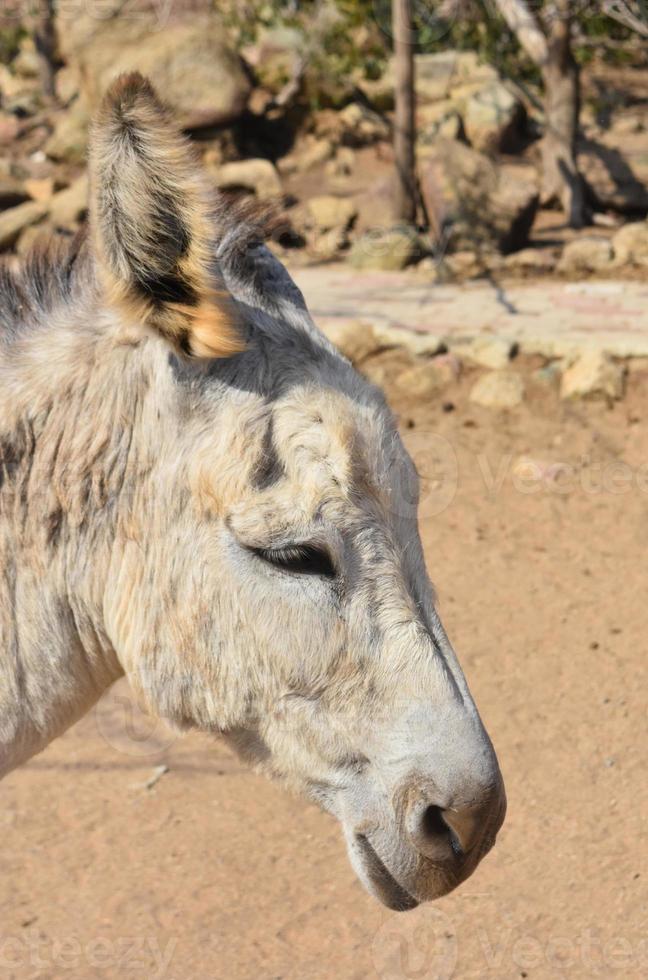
<point>212,872</point>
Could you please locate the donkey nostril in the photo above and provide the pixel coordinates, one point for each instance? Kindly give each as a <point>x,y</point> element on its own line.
<point>433,823</point>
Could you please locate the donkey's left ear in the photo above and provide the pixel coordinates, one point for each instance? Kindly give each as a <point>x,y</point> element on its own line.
<point>150,224</point>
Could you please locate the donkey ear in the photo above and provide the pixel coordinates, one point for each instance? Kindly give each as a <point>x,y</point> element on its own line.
<point>149,213</point>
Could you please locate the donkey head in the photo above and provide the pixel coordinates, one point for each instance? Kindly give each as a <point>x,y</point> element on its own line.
<point>267,580</point>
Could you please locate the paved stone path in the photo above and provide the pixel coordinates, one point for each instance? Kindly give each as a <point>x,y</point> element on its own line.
<point>551,318</point>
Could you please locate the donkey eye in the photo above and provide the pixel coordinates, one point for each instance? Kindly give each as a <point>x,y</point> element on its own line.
<point>302,559</point>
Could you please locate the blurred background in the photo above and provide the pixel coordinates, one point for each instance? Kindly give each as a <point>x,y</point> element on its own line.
<point>520,123</point>
<point>461,192</point>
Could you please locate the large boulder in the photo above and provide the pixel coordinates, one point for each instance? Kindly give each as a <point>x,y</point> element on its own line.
<point>283,54</point>
<point>471,200</point>
<point>437,77</point>
<point>493,119</point>
<point>630,244</point>
<point>258,176</point>
<point>199,76</point>
<point>389,249</point>
<point>69,140</point>
<point>591,253</point>
<point>329,212</point>
<point>498,389</point>
<point>617,170</point>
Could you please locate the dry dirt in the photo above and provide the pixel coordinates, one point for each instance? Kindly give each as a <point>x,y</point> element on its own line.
<point>212,872</point>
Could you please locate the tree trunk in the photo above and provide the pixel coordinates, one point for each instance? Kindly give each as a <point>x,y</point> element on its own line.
<point>404,147</point>
<point>45,43</point>
<point>552,52</point>
<point>561,179</point>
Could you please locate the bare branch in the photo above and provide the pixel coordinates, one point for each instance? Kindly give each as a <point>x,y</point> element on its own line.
<point>627,13</point>
<point>526,28</point>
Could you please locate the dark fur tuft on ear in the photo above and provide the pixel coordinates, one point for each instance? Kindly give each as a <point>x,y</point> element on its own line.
<point>150,217</point>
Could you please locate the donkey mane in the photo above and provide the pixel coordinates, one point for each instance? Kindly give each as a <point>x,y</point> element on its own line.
<point>51,274</point>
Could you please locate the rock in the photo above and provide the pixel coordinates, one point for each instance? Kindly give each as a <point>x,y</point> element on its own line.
<point>342,164</point>
<point>198,75</point>
<point>630,244</point>
<point>437,75</point>
<point>39,188</point>
<point>487,351</point>
<point>593,374</point>
<point>69,207</point>
<point>361,126</point>
<point>67,84</point>
<point>498,389</point>
<point>31,236</point>
<point>356,339</point>
<point>617,171</point>
<point>588,254</point>
<point>464,264</point>
<point>69,141</point>
<point>12,192</point>
<point>309,153</point>
<point>531,260</point>
<point>330,212</point>
<point>13,221</point>
<point>438,119</point>
<point>427,377</point>
<point>471,200</point>
<point>549,375</point>
<point>494,119</point>
<point>9,128</point>
<point>276,56</point>
<point>388,249</point>
<point>256,175</point>
<point>27,63</point>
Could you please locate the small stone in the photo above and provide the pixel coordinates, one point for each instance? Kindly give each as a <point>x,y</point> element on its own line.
<point>530,260</point>
<point>30,236</point>
<point>498,389</point>
<point>330,212</point>
<point>356,339</point>
<point>310,153</point>
<point>362,126</point>
<point>68,207</point>
<point>487,351</point>
<point>588,254</point>
<point>13,221</point>
<point>12,192</point>
<point>549,375</point>
<point>342,163</point>
<point>69,141</point>
<point>421,380</point>
<point>9,128</point>
<point>39,188</point>
<point>630,244</point>
<point>257,175</point>
<point>387,249</point>
<point>593,374</point>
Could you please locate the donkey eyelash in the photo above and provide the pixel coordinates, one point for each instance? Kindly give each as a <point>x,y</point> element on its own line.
<point>301,559</point>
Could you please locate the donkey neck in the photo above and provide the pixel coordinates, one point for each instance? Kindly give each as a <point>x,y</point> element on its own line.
<point>69,457</point>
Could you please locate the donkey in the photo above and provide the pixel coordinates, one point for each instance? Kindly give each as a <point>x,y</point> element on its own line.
<point>199,492</point>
